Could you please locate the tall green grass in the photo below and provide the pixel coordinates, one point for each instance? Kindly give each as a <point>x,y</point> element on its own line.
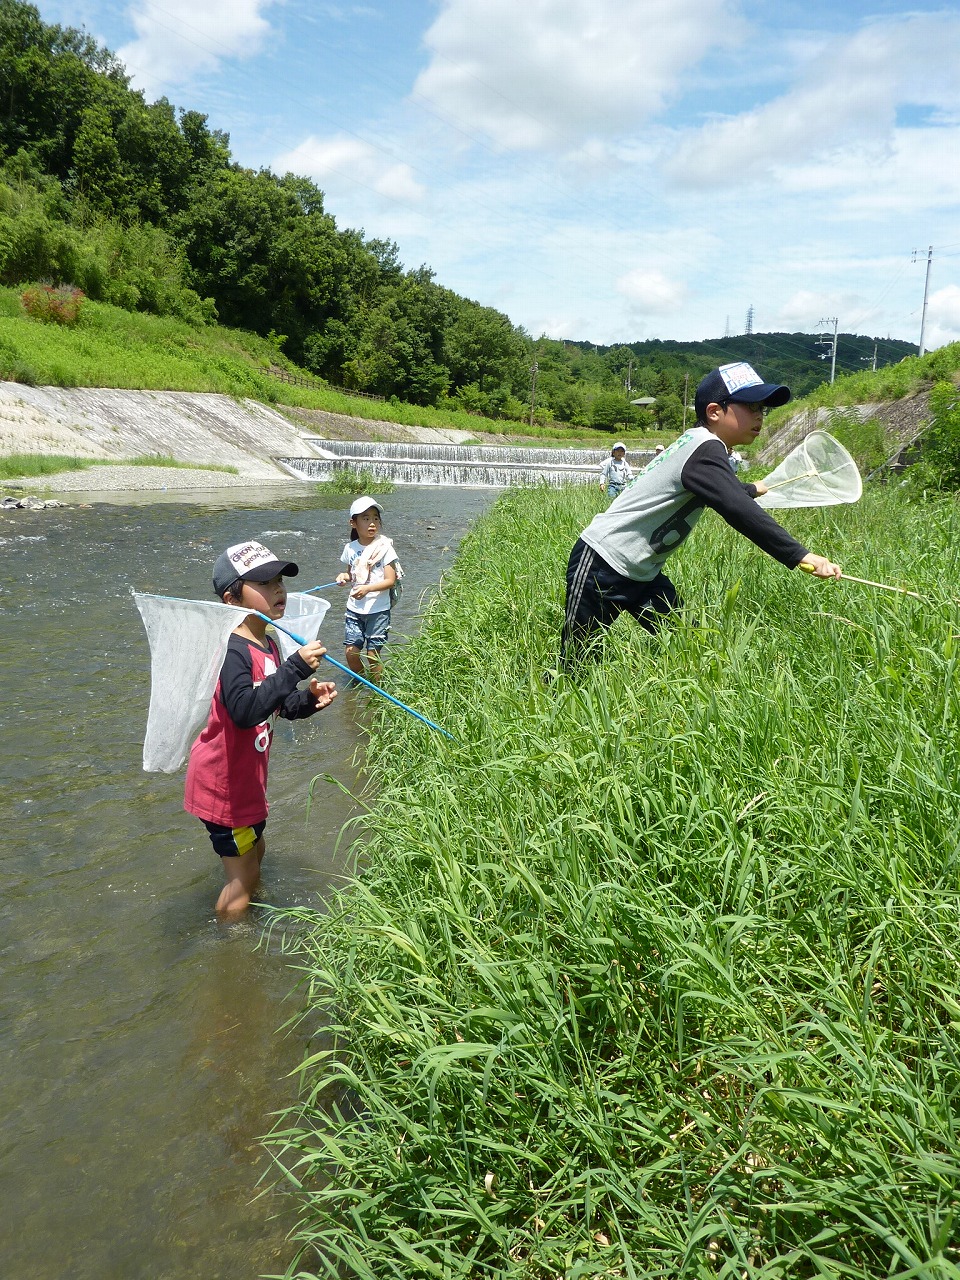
<point>655,971</point>
<point>23,465</point>
<point>357,480</point>
<point>111,347</point>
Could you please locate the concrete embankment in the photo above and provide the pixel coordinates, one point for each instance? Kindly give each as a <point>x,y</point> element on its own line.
<point>191,427</point>
<point>117,425</point>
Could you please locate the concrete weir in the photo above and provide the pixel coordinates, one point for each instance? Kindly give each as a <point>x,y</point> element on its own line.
<point>469,466</point>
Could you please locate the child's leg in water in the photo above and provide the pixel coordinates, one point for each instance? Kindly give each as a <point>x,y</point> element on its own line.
<point>242,875</point>
<point>354,661</point>
<point>375,666</point>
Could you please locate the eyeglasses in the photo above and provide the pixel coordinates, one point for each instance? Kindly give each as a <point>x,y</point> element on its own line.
<point>754,407</point>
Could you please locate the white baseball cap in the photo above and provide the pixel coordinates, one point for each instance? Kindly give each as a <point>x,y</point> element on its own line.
<point>360,505</point>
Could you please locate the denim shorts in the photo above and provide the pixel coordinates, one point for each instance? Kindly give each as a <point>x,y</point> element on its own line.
<point>366,630</point>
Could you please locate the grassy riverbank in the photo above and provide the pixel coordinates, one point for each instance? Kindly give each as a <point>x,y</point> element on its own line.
<point>31,466</point>
<point>654,973</point>
<point>111,347</point>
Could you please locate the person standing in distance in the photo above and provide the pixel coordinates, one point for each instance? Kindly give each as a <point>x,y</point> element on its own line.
<point>372,571</point>
<point>615,471</point>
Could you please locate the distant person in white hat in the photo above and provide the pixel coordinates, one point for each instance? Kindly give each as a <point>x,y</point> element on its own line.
<point>615,471</point>
<point>373,571</point>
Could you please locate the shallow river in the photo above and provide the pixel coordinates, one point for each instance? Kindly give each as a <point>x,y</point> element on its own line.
<point>141,1052</point>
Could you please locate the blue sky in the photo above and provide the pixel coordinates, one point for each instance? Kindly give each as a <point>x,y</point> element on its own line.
<point>609,170</point>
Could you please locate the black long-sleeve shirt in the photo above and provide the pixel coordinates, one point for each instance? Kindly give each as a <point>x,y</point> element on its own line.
<point>249,704</point>
<point>656,513</point>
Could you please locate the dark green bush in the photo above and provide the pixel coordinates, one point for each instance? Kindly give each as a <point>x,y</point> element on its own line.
<point>939,465</point>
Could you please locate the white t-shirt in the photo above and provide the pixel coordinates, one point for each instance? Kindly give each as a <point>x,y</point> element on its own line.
<point>373,601</point>
<point>614,472</point>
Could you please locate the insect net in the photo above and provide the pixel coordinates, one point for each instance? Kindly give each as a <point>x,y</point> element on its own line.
<point>817,473</point>
<point>188,641</point>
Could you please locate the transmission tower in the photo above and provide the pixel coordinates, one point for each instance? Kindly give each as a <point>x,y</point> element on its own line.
<point>831,344</point>
<point>749,328</point>
<point>926,290</point>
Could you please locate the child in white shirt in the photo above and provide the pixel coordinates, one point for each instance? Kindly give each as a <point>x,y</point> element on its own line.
<point>373,569</point>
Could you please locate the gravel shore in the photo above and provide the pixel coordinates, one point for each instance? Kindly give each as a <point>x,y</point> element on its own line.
<point>136,485</point>
<point>117,479</point>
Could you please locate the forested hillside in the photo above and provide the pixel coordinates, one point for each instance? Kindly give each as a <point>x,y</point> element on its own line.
<point>596,383</point>
<point>141,205</point>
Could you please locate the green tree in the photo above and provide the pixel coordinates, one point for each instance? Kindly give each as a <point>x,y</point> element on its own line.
<point>157,157</point>
<point>321,277</point>
<point>229,231</point>
<point>400,349</point>
<point>482,346</point>
<point>611,409</point>
<point>98,175</point>
<point>570,404</point>
<point>209,148</point>
<point>49,76</point>
<point>668,410</point>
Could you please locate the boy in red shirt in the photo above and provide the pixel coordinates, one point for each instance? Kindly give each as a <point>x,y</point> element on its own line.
<point>226,786</point>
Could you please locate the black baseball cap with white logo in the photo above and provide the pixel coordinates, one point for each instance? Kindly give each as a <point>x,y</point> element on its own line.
<point>739,382</point>
<point>251,562</point>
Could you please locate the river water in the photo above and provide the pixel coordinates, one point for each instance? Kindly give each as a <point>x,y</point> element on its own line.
<point>141,1051</point>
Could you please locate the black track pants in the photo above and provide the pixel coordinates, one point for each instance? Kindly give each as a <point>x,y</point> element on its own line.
<point>597,595</point>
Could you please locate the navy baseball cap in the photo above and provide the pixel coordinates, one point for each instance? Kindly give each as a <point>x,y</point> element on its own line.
<point>739,382</point>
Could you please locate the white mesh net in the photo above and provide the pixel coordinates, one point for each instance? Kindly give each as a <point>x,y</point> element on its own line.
<point>303,616</point>
<point>188,640</point>
<point>817,473</point>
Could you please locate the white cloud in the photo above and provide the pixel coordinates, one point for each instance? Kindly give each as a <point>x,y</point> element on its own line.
<point>919,170</point>
<point>805,310</point>
<point>180,38</point>
<point>344,13</point>
<point>844,106</point>
<point>543,74</point>
<point>352,159</point>
<point>943,317</point>
<point>651,292</point>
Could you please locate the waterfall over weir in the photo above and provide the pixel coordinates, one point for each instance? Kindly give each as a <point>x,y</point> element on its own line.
<point>466,466</point>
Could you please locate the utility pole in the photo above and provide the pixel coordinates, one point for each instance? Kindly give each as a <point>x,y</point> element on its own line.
<point>629,376</point>
<point>863,359</point>
<point>686,385</point>
<point>533,390</point>
<point>824,342</point>
<point>926,290</point>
